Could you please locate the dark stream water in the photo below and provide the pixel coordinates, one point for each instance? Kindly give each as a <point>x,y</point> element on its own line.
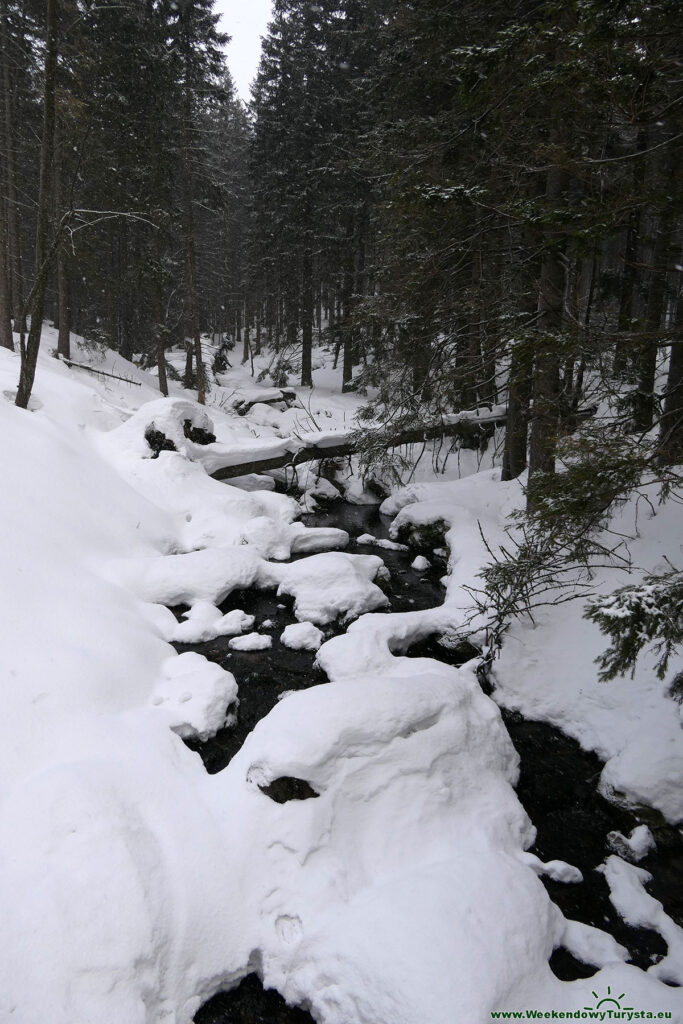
<point>557,786</point>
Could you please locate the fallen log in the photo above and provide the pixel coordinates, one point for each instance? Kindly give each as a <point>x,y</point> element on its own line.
<point>473,430</point>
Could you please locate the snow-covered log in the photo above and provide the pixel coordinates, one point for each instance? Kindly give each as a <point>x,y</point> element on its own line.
<point>471,427</point>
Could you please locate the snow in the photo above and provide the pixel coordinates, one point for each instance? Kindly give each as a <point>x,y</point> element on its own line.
<point>637,907</point>
<point>203,621</point>
<point>634,847</point>
<point>302,636</point>
<point>333,585</point>
<point>558,870</point>
<point>250,642</point>
<point>381,542</point>
<point>195,695</point>
<point>133,884</point>
<point>420,564</point>
<point>546,669</point>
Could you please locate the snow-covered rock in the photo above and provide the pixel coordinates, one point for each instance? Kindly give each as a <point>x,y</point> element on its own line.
<point>302,636</point>
<point>195,694</point>
<point>251,642</point>
<point>204,622</point>
<point>333,585</point>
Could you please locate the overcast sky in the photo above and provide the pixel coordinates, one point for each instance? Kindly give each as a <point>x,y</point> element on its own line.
<point>246,21</point>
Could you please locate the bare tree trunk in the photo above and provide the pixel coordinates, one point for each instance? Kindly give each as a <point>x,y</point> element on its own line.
<point>517,428</point>
<point>346,327</point>
<point>189,362</point>
<point>544,421</point>
<point>63,306</point>
<point>671,426</point>
<point>160,326</point>
<point>629,276</point>
<point>13,237</point>
<point>259,314</point>
<point>190,257</point>
<point>5,310</point>
<point>307,321</point>
<point>29,353</point>
<point>644,398</point>
<point>471,363</point>
<point>247,342</point>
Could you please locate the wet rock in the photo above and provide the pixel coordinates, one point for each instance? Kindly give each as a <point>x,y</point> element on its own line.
<point>427,538</point>
<point>287,788</point>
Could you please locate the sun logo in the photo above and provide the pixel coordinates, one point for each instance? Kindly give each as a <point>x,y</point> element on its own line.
<point>615,1001</point>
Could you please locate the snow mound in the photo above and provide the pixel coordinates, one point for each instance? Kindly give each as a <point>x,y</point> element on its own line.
<point>333,585</point>
<point>302,636</point>
<point>195,694</point>
<point>204,622</point>
<point>251,642</point>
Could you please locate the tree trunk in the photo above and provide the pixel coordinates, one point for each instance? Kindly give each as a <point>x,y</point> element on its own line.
<point>6,340</point>
<point>472,361</point>
<point>644,398</point>
<point>16,285</point>
<point>257,339</point>
<point>160,325</point>
<point>544,421</point>
<point>307,321</point>
<point>347,330</point>
<point>247,341</point>
<point>189,360</point>
<point>29,353</point>
<point>629,276</point>
<point>63,307</point>
<point>671,426</point>
<point>190,258</point>
<point>519,396</point>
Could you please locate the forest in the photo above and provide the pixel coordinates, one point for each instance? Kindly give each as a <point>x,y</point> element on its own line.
<point>381,427</point>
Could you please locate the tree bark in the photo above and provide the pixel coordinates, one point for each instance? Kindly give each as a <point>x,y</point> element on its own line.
<point>6,340</point>
<point>517,429</point>
<point>307,321</point>
<point>63,305</point>
<point>29,353</point>
<point>671,426</point>
<point>16,284</point>
<point>644,398</point>
<point>544,421</point>
<point>190,256</point>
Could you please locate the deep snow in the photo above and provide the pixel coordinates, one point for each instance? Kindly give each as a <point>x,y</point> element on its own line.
<point>134,885</point>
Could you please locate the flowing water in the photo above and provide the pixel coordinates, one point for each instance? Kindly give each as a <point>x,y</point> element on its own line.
<point>557,785</point>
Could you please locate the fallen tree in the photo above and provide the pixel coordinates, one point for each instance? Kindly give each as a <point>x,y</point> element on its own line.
<point>473,430</point>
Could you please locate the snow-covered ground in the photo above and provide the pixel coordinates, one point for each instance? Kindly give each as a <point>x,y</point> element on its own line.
<point>133,885</point>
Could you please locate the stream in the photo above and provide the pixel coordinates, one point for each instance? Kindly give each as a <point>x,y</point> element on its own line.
<point>557,785</point>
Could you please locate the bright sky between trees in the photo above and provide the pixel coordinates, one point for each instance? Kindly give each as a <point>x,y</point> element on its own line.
<point>246,21</point>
